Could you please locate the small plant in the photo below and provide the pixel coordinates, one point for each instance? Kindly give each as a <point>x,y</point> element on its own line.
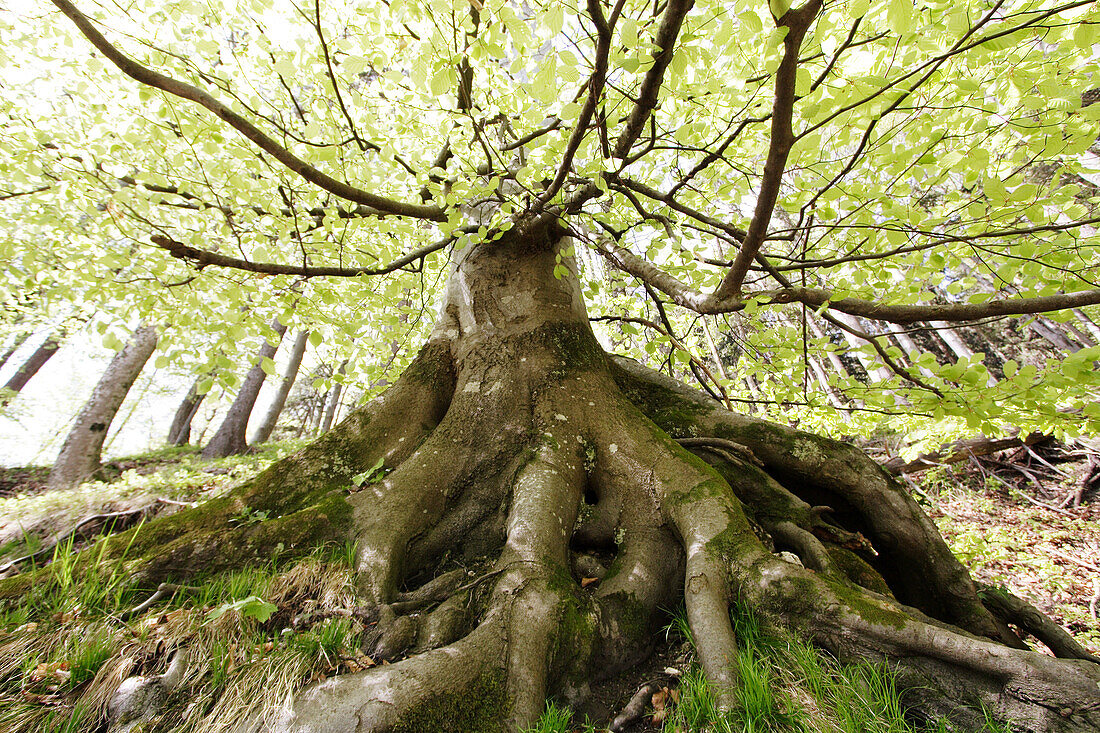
<point>248,516</point>
<point>88,653</point>
<point>557,719</point>
<point>252,607</point>
<point>371,475</point>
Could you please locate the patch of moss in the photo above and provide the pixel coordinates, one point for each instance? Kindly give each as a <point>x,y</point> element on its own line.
<point>673,413</point>
<point>482,707</point>
<point>857,570</point>
<point>709,488</point>
<point>732,543</point>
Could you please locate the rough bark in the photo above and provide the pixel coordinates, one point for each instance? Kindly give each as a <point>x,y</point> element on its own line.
<point>179,432</point>
<point>31,366</point>
<point>516,454</point>
<point>231,436</point>
<point>80,454</point>
<point>278,402</point>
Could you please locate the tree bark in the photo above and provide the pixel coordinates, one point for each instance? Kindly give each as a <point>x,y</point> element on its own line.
<point>297,351</point>
<point>179,432</point>
<point>231,436</point>
<point>334,398</point>
<point>31,366</point>
<point>80,454</point>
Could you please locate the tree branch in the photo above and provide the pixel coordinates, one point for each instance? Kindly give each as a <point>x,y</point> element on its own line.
<point>202,258</point>
<point>667,33</point>
<point>595,90</point>
<point>797,21</point>
<point>154,79</point>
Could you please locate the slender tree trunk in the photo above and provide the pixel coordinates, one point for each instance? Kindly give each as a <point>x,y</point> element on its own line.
<point>317,413</point>
<point>230,439</point>
<point>876,372</point>
<point>180,431</point>
<point>1088,323</point>
<point>80,454</point>
<point>297,351</point>
<point>823,380</point>
<point>954,342</point>
<point>334,399</point>
<point>31,366</point>
<point>909,346</point>
<point>1051,333</point>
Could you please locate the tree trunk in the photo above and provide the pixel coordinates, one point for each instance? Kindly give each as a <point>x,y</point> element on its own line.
<point>947,333</point>
<point>334,398</point>
<point>80,454</point>
<point>297,351</point>
<point>31,366</point>
<point>876,371</point>
<point>179,432</point>
<point>230,439</point>
<point>514,453</point>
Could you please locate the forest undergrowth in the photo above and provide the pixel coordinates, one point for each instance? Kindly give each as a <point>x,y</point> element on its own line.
<point>230,646</point>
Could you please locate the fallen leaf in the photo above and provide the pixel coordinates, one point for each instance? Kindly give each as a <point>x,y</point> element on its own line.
<point>585,582</point>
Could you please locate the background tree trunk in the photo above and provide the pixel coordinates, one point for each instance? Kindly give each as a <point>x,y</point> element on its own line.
<point>297,351</point>
<point>230,438</point>
<point>334,399</point>
<point>180,431</point>
<point>31,366</point>
<point>80,454</point>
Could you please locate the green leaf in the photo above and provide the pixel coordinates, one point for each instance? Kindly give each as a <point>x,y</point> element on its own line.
<point>252,607</point>
<point>369,476</point>
<point>899,16</point>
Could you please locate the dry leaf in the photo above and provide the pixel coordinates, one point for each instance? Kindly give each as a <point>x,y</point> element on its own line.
<point>585,582</point>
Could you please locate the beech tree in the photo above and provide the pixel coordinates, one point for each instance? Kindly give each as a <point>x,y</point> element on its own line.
<point>658,168</point>
<point>80,453</point>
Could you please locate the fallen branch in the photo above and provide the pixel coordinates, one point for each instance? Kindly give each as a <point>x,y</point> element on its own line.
<point>164,590</point>
<point>71,534</point>
<point>634,709</point>
<point>961,450</point>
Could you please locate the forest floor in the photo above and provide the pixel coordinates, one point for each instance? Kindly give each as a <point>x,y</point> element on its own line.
<point>1002,525</point>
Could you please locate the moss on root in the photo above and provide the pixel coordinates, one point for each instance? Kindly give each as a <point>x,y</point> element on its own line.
<point>671,412</point>
<point>481,708</point>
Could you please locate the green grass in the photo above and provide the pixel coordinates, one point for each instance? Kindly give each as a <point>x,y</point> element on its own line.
<point>556,719</point>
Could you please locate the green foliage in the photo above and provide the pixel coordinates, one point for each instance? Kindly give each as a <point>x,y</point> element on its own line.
<point>248,516</point>
<point>940,155</point>
<point>557,719</point>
